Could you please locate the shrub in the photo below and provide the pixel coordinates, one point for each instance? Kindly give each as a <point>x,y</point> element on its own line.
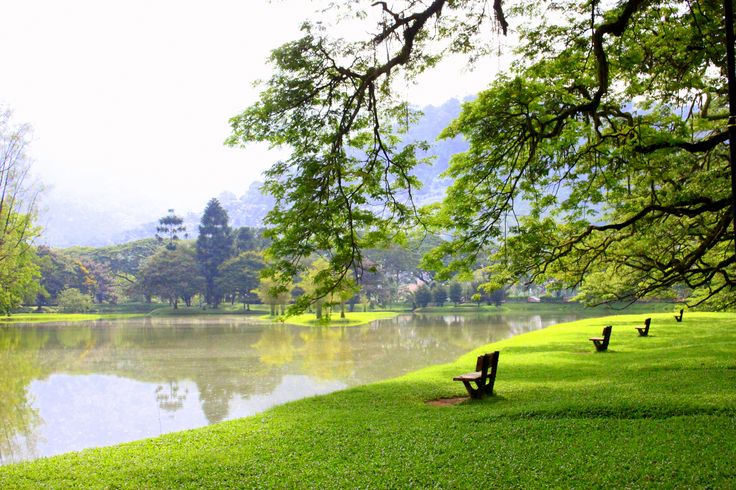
<point>72,300</point>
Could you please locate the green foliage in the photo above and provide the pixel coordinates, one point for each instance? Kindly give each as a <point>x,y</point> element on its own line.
<point>72,300</point>
<point>57,273</point>
<point>99,281</point>
<point>169,228</point>
<point>239,276</point>
<point>620,153</point>
<point>124,258</point>
<point>339,165</point>
<point>456,293</point>
<point>19,270</point>
<point>172,274</point>
<point>439,295</point>
<point>609,133</point>
<point>422,296</point>
<point>273,294</point>
<point>214,246</point>
<point>314,284</point>
<point>652,412</point>
<point>249,239</point>
<point>19,275</point>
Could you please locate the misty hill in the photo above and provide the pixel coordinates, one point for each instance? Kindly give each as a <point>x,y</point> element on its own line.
<point>71,223</point>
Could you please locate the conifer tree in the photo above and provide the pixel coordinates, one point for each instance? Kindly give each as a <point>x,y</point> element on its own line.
<point>169,228</point>
<point>214,246</point>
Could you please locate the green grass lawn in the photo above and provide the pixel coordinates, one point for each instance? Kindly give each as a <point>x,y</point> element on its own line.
<point>657,411</point>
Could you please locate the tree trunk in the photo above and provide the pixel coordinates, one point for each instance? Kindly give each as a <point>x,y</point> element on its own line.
<point>731,77</point>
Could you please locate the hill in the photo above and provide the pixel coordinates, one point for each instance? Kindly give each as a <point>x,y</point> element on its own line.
<point>69,223</point>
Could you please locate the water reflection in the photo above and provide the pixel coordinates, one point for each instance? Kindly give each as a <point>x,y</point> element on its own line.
<point>68,387</point>
<point>169,397</point>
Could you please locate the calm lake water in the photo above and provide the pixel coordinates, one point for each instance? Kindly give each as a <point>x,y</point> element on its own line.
<point>66,387</point>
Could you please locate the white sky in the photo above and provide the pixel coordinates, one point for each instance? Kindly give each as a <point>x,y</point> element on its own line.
<point>130,100</point>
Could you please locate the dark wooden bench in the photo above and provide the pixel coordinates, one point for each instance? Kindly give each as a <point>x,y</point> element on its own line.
<point>644,331</point>
<point>679,317</point>
<point>601,343</point>
<point>484,377</point>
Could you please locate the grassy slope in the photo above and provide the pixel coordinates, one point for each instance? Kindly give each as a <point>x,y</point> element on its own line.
<point>656,411</point>
<point>63,317</point>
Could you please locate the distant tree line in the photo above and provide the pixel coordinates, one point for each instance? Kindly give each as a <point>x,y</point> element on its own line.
<point>224,265</point>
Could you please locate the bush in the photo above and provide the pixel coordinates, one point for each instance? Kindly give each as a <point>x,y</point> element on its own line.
<point>72,300</point>
<point>439,295</point>
<point>423,296</point>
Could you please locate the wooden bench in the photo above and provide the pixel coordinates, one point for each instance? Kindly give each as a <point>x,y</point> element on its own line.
<point>601,343</point>
<point>679,317</point>
<point>644,331</point>
<point>484,377</point>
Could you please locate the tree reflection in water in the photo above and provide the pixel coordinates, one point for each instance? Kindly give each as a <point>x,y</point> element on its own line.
<point>18,419</point>
<point>169,398</point>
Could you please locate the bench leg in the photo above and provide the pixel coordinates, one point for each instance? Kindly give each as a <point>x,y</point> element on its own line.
<point>481,389</point>
<point>488,388</point>
<point>473,392</point>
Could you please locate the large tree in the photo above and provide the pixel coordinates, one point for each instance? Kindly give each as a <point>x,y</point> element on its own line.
<point>214,246</point>
<point>239,276</point>
<point>172,275</point>
<point>612,128</point>
<point>19,271</point>
<point>58,272</point>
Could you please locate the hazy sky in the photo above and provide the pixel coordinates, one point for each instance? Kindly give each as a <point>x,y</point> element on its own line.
<point>130,100</point>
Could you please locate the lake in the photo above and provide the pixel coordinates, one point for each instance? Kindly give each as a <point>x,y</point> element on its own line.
<point>66,387</point>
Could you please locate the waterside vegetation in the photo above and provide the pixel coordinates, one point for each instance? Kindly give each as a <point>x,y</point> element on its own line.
<point>63,317</point>
<point>652,411</point>
<point>351,319</point>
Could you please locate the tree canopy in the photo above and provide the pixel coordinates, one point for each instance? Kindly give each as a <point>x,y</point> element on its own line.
<point>214,246</point>
<point>611,126</point>
<point>19,270</point>
<point>169,228</point>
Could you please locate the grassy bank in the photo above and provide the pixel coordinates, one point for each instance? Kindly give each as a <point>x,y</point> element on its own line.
<point>351,319</point>
<point>656,411</point>
<point>63,317</point>
<point>523,307</point>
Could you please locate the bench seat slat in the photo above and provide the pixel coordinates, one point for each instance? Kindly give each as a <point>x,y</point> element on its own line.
<point>468,376</point>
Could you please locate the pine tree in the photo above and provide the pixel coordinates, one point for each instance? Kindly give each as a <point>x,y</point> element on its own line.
<point>169,227</point>
<point>214,246</point>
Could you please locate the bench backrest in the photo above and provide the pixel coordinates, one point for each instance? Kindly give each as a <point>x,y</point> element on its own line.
<point>487,363</point>
<point>607,335</point>
<point>647,322</point>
